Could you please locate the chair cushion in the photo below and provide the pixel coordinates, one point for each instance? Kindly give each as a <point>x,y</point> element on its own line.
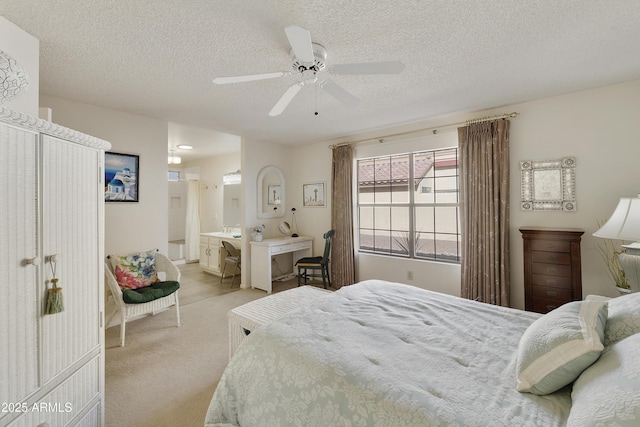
<point>315,260</point>
<point>135,270</point>
<point>149,293</point>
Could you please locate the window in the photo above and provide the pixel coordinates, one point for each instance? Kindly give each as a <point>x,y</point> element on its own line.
<point>174,175</point>
<point>408,205</point>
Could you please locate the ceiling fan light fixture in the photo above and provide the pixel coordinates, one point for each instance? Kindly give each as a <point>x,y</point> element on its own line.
<point>308,59</point>
<point>309,77</point>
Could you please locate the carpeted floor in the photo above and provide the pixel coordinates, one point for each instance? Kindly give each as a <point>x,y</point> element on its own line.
<point>165,376</point>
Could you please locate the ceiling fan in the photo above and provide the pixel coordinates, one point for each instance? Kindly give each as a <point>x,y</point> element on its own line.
<point>309,60</point>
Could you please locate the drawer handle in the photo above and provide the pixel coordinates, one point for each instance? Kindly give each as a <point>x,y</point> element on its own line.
<point>551,282</point>
<point>552,294</point>
<point>551,307</point>
<point>552,258</point>
<point>551,270</point>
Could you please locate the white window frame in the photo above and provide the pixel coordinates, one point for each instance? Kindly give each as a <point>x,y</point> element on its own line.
<point>410,247</point>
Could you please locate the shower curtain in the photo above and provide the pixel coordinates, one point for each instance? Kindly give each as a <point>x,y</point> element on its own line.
<point>192,223</point>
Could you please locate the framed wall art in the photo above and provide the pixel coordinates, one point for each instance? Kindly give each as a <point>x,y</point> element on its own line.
<point>275,194</point>
<point>548,185</point>
<point>121,173</point>
<point>314,195</point>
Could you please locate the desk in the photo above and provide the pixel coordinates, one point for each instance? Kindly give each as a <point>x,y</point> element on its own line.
<point>261,253</point>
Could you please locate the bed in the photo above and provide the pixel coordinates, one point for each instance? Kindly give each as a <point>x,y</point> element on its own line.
<point>386,354</point>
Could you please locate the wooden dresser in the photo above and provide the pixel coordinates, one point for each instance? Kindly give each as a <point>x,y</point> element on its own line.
<point>552,269</point>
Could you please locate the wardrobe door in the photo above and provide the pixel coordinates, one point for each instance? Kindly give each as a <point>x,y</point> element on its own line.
<point>20,297</point>
<point>70,185</point>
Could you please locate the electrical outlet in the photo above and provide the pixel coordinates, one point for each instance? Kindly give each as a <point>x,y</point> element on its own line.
<point>409,275</point>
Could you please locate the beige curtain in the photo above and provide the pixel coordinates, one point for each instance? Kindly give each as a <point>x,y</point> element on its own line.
<point>342,250</point>
<point>484,192</point>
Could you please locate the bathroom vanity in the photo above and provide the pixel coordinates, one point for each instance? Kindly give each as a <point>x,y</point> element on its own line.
<point>212,254</point>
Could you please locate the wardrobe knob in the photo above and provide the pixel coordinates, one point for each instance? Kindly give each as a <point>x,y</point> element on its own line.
<point>33,261</point>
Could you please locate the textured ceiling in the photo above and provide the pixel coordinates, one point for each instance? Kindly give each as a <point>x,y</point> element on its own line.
<point>157,58</point>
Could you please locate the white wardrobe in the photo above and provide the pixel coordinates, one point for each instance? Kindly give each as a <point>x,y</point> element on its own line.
<point>51,208</point>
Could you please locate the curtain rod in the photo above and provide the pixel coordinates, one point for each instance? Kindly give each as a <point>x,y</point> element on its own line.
<point>434,129</point>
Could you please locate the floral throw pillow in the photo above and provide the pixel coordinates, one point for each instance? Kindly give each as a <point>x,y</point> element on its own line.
<point>135,270</point>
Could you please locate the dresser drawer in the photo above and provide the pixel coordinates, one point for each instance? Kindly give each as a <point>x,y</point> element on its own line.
<point>551,281</point>
<point>551,257</point>
<point>552,293</point>
<point>289,247</point>
<point>545,305</point>
<point>551,246</point>
<point>551,269</point>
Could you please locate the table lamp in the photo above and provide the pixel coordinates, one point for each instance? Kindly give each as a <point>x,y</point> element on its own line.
<point>624,224</point>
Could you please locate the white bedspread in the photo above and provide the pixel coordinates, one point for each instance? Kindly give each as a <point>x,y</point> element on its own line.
<point>384,354</point>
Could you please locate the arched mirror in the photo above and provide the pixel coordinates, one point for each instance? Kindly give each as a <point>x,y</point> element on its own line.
<point>271,191</point>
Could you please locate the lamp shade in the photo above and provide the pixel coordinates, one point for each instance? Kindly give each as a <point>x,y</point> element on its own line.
<point>624,223</point>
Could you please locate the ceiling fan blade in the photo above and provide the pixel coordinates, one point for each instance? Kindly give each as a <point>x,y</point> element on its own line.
<point>250,78</point>
<point>339,93</point>
<point>300,41</point>
<point>285,99</point>
<point>388,67</point>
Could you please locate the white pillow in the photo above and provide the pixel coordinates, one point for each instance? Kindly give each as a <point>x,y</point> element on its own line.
<point>608,392</point>
<point>623,319</point>
<point>557,347</point>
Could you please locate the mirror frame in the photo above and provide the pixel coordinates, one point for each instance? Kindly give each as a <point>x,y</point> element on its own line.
<point>548,185</point>
<point>282,208</point>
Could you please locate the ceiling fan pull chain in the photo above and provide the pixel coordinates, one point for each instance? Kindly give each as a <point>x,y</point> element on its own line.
<point>315,86</point>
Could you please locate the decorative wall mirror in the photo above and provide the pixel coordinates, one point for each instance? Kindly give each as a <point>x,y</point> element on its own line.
<point>548,185</point>
<point>271,193</point>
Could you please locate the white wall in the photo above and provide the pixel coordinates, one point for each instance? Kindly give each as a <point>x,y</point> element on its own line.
<point>598,127</point>
<point>177,209</point>
<point>312,164</point>
<point>129,227</point>
<point>25,49</point>
<point>255,155</point>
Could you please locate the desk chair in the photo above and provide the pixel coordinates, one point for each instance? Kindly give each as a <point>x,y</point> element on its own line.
<point>316,263</point>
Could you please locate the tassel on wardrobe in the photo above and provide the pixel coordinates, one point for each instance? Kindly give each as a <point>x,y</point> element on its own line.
<point>55,303</point>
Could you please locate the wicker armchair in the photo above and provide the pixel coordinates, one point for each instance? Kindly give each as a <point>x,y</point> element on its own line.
<point>130,311</point>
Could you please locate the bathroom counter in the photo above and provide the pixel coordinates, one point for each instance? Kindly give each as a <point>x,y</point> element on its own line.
<point>222,235</point>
